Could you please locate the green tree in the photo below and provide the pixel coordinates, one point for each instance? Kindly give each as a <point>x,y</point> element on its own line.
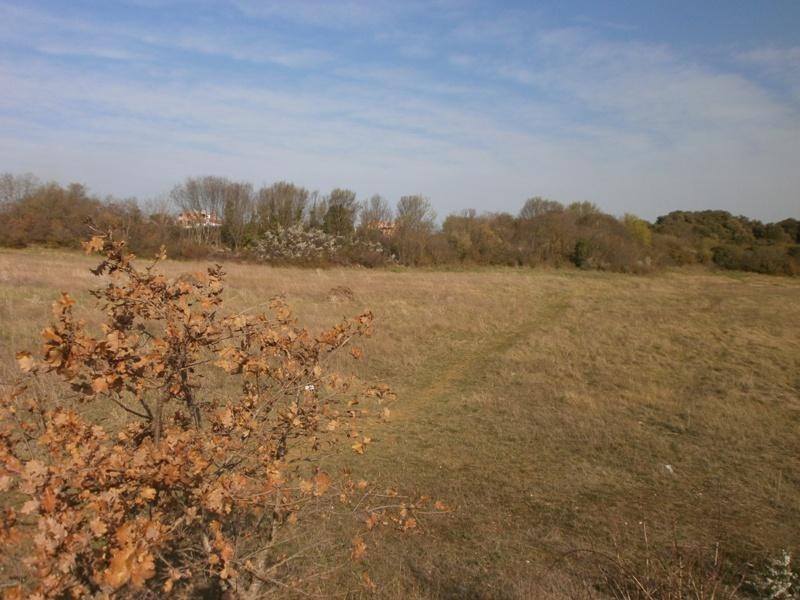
<point>341,214</point>
<point>639,229</point>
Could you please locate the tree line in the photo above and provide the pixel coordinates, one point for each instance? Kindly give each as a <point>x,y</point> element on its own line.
<point>286,223</point>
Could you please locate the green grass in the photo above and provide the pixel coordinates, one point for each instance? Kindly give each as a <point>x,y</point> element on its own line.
<point>543,407</point>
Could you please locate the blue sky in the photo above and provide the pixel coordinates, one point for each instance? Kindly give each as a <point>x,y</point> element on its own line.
<point>640,107</point>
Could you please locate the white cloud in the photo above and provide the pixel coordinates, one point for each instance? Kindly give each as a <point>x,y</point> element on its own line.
<point>499,111</point>
<point>774,58</point>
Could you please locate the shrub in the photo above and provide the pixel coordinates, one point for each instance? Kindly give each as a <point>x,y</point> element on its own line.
<point>758,259</point>
<point>779,581</point>
<point>297,245</point>
<point>580,255</point>
<point>190,493</point>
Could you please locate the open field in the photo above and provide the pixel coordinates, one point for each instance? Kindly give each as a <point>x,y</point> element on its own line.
<point>566,416</point>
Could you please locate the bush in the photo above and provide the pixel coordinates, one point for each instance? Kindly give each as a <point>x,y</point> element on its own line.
<point>580,255</point>
<point>191,492</point>
<point>779,581</point>
<point>771,260</point>
<point>297,245</point>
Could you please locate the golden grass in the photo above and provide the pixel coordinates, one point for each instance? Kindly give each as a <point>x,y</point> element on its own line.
<point>555,411</point>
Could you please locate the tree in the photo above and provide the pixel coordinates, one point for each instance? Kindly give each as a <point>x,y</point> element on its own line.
<point>584,210</point>
<point>340,217</point>
<point>201,194</point>
<point>317,208</point>
<point>281,205</point>
<point>792,229</point>
<point>372,214</point>
<point>639,229</point>
<point>238,214</point>
<point>202,201</point>
<point>484,239</point>
<point>416,221</point>
<point>415,213</point>
<point>538,206</point>
<point>55,216</point>
<point>14,188</point>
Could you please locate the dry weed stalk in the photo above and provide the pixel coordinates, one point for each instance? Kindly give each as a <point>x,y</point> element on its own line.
<point>676,572</point>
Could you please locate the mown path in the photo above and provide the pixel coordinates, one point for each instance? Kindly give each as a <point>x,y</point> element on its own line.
<point>450,437</point>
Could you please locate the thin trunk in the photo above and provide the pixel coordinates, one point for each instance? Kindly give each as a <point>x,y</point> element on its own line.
<point>187,394</point>
<point>257,584</point>
<point>157,426</point>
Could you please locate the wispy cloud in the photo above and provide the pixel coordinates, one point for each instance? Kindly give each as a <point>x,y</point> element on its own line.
<point>773,58</point>
<point>474,107</point>
<point>322,13</point>
<point>90,51</point>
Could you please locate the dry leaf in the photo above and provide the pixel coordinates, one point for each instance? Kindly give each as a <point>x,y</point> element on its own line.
<point>98,528</point>
<point>216,500</point>
<point>225,417</point>
<point>100,385</point>
<point>119,572</point>
<point>29,507</point>
<point>322,482</point>
<point>359,548</point>
<point>142,569</point>
<point>25,361</point>
<point>93,245</point>
<point>48,500</point>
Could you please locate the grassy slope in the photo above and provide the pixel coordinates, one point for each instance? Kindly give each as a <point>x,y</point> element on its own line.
<point>544,407</point>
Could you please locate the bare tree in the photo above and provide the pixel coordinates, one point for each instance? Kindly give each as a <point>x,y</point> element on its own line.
<point>204,194</point>
<point>239,213</point>
<point>374,210</point>
<point>316,208</point>
<point>374,214</point>
<point>281,205</point>
<point>416,221</point>
<point>202,202</point>
<point>14,188</point>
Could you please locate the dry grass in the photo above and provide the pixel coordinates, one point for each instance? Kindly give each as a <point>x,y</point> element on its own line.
<point>555,411</point>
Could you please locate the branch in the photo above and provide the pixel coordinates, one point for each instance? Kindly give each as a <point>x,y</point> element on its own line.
<point>130,410</point>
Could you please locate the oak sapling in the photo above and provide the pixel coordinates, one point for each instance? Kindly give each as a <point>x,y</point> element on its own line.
<point>193,490</point>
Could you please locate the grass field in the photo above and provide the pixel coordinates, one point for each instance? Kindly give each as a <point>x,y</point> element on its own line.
<point>573,420</point>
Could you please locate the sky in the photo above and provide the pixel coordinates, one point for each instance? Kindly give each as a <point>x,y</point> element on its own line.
<point>639,106</point>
